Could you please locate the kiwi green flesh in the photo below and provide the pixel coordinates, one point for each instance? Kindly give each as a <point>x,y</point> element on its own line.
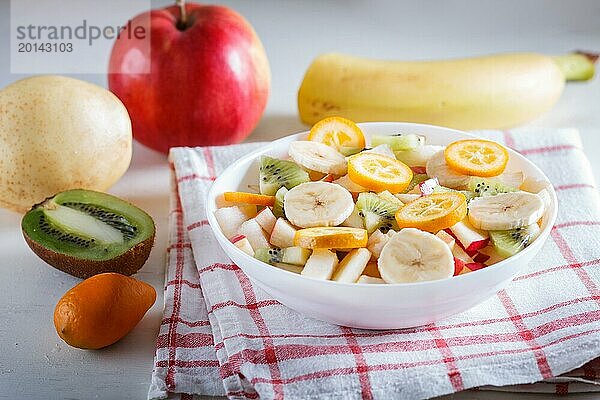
<point>398,141</point>
<point>376,212</point>
<point>278,209</point>
<point>53,233</point>
<point>510,242</point>
<point>488,187</point>
<point>269,256</point>
<point>274,174</point>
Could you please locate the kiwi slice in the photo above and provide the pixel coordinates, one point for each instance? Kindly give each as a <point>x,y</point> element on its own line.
<point>398,141</point>
<point>278,209</point>
<point>377,212</point>
<point>269,256</point>
<point>289,255</point>
<point>509,243</point>
<point>276,173</point>
<point>84,233</point>
<point>488,186</point>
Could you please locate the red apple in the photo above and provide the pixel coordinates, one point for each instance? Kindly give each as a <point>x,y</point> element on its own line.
<point>208,79</point>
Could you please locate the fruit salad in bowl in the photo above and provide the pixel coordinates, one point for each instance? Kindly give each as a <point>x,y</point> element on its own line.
<point>381,225</point>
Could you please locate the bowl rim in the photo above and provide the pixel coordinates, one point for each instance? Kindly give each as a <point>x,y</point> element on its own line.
<point>538,242</point>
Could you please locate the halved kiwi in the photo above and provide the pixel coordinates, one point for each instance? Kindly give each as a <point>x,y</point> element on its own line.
<point>84,233</point>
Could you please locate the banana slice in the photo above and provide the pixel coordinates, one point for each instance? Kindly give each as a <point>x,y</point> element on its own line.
<point>412,255</point>
<point>318,157</point>
<point>505,211</point>
<point>315,204</point>
<point>436,167</point>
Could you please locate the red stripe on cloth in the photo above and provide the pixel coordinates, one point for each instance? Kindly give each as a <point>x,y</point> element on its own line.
<point>195,176</point>
<point>448,358</point>
<point>574,186</point>
<point>572,320</point>
<point>192,285</point>
<point>170,378</point>
<point>241,393</point>
<point>187,341</point>
<point>296,351</point>
<point>263,329</point>
<point>508,139</point>
<point>410,331</point>
<point>180,320</point>
<point>225,267</point>
<point>187,396</point>
<point>526,334</point>
<point>186,245</point>
<point>549,149</point>
<point>188,363</point>
<point>558,268</point>
<point>569,257</point>
<point>575,223</point>
<point>562,389</point>
<point>398,366</point>
<point>197,224</point>
<point>210,163</point>
<point>361,363</point>
<point>231,303</point>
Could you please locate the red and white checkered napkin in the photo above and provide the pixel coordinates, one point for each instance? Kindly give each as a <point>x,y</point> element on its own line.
<point>221,335</point>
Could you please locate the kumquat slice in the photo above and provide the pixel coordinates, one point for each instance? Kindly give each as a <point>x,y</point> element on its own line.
<point>377,172</point>
<point>476,157</point>
<point>434,212</point>
<point>338,132</point>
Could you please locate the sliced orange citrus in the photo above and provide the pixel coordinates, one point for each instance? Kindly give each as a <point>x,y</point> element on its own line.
<point>377,172</point>
<point>338,132</point>
<point>249,198</point>
<point>331,238</point>
<point>434,212</point>
<point>476,157</point>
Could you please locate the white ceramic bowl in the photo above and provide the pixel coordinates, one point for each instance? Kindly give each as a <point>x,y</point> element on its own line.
<point>375,306</point>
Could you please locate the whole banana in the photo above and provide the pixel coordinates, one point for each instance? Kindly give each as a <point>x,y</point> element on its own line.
<point>497,91</point>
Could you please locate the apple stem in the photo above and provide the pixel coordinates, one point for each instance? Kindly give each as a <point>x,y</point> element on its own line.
<point>182,23</point>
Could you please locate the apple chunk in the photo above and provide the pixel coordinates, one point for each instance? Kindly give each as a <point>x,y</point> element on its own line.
<point>352,266</point>
<point>230,219</point>
<point>470,238</point>
<point>320,264</point>
<point>256,235</point>
<point>283,234</point>
<point>266,219</point>
<point>242,243</point>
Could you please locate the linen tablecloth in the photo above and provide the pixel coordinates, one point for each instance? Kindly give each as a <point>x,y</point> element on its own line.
<point>221,335</point>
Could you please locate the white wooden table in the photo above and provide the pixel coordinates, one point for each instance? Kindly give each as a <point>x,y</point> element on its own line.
<point>35,363</point>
